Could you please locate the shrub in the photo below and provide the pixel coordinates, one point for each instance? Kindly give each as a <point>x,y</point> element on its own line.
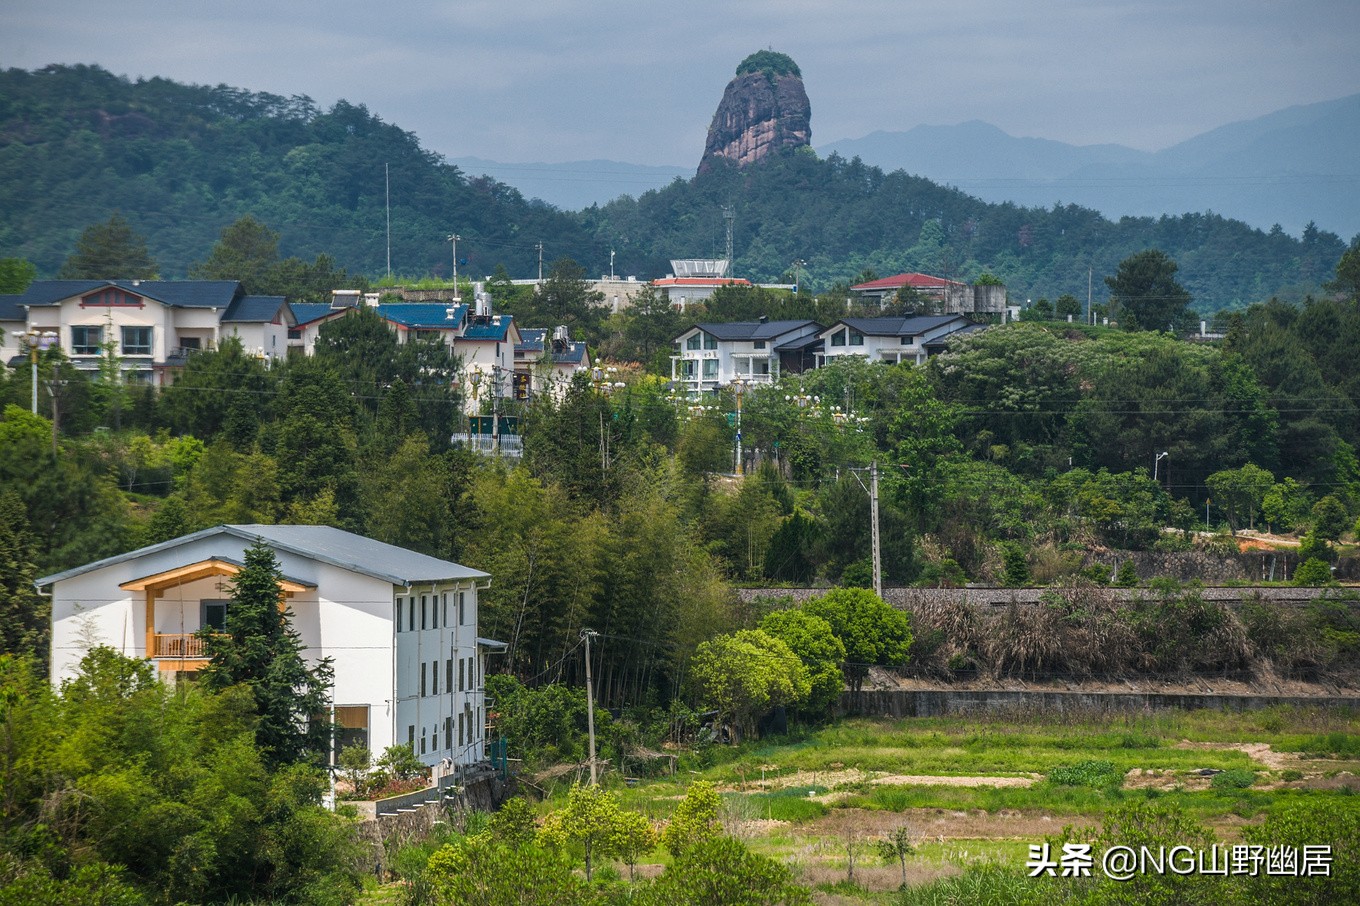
<point>1236,779</point>
<point>1094,774</point>
<point>1313,572</point>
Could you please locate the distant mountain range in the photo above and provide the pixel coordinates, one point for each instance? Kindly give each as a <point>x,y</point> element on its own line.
<point>1290,167</point>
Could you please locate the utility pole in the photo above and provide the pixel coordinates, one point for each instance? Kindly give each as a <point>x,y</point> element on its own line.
<point>540,261</point>
<point>387,183</point>
<point>872,491</point>
<point>873,516</point>
<point>587,635</point>
<point>454,237</point>
<point>1088,296</point>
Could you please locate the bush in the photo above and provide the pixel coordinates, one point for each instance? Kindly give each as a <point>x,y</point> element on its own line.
<point>1313,572</point>
<point>1236,779</point>
<point>1094,774</point>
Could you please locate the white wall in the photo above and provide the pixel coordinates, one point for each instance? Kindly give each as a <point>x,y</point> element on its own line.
<point>447,645</point>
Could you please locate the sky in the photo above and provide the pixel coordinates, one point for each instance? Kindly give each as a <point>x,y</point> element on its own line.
<point>638,81</point>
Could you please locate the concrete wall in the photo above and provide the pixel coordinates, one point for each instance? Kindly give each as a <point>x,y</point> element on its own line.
<point>940,703</point>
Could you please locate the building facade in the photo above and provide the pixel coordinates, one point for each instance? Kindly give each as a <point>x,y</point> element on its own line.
<point>399,627</point>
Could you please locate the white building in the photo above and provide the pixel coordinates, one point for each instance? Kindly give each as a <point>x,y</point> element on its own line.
<point>152,326</point>
<point>891,340</point>
<point>400,627</point>
<point>709,356</point>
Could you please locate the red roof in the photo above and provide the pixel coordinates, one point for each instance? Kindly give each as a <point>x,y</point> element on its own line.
<point>915,281</point>
<point>701,281</point>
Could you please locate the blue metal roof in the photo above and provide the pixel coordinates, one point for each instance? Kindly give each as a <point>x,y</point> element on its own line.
<point>494,327</point>
<point>429,315</point>
<point>178,293</point>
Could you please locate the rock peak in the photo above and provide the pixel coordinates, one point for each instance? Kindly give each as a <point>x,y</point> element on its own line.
<point>765,109</point>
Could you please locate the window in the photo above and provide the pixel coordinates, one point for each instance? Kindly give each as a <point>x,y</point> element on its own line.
<point>856,338</point>
<point>352,724</point>
<point>423,683</point>
<point>86,340</point>
<point>434,613</point>
<point>424,610</point>
<point>411,736</point>
<point>400,604</point>
<point>462,671</point>
<point>445,604</point>
<point>136,341</point>
<point>710,369</point>
<point>448,732</point>
<point>462,609</point>
<point>710,341</point>
<point>759,344</point>
<point>460,729</point>
<point>411,615</point>
<point>214,615</point>
<point>694,342</point>
<point>422,740</point>
<point>191,342</point>
<point>838,338</point>
<point>448,674</point>
<point>434,677</point>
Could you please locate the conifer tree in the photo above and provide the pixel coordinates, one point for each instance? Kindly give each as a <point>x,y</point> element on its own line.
<point>261,650</point>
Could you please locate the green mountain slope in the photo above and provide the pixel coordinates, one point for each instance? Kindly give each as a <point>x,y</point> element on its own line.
<point>180,162</point>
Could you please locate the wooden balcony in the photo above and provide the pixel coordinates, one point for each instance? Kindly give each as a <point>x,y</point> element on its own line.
<point>179,646</point>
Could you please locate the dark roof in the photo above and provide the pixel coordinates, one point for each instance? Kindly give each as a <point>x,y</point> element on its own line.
<point>535,339</point>
<point>10,309</point>
<point>898,327</point>
<point>802,344</point>
<point>318,542</point>
<point>429,315</point>
<point>178,293</point>
<point>489,327</point>
<point>531,339</point>
<point>256,309</point>
<point>750,330</point>
<point>941,342</point>
<point>307,312</point>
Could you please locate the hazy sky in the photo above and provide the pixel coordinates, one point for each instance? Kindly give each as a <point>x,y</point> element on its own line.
<point>559,80</point>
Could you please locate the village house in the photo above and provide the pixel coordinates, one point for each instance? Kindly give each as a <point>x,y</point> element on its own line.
<point>401,628</point>
<point>891,340</point>
<point>709,356</point>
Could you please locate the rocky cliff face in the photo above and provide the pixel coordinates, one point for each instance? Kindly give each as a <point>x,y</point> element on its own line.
<point>763,110</point>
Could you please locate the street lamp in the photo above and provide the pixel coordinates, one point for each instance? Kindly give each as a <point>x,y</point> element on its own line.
<point>739,388</point>
<point>39,341</point>
<point>1155,460</point>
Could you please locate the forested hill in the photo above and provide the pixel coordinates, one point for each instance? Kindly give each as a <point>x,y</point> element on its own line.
<point>181,162</point>
<point>842,217</point>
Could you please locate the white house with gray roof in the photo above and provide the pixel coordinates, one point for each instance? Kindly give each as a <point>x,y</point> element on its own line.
<point>400,627</point>
<point>891,339</point>
<point>152,326</point>
<point>709,356</point>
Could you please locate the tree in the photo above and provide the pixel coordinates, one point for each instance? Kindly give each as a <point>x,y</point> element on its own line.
<point>1313,572</point>
<point>633,837</point>
<point>1348,271</point>
<point>895,846</point>
<point>261,650</point>
<point>246,251</point>
<point>15,275</point>
<point>810,637</point>
<point>24,614</point>
<point>109,251</point>
<point>872,631</point>
<point>1240,492</point>
<point>1145,294</point>
<point>747,673</point>
<point>483,871</point>
<point>695,820</point>
<point>1330,519</point>
<point>590,820</point>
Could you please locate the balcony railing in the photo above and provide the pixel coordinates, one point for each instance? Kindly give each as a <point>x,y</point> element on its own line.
<point>179,645</point>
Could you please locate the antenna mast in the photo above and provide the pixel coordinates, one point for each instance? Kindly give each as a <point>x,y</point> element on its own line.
<point>729,215</point>
<point>387,181</point>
